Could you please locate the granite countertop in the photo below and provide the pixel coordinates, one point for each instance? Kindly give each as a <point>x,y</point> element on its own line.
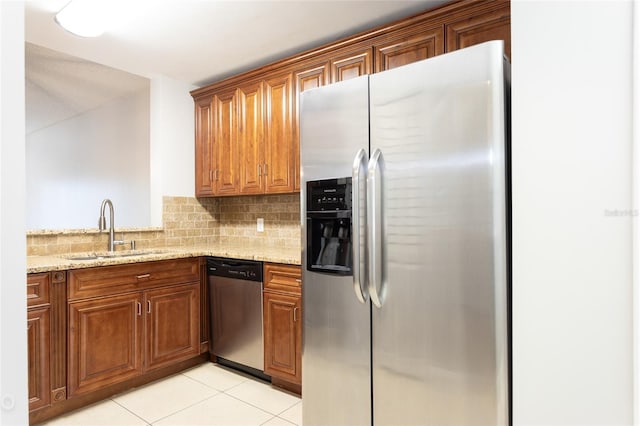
<point>61,262</point>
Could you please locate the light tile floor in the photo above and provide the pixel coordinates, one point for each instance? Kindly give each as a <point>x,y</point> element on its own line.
<point>204,395</point>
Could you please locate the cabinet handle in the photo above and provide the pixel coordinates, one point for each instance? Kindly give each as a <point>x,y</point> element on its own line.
<point>265,169</point>
<point>148,306</point>
<point>143,276</point>
<point>139,306</point>
<point>295,314</point>
<point>211,175</point>
<point>216,174</point>
<point>298,280</point>
<point>259,170</point>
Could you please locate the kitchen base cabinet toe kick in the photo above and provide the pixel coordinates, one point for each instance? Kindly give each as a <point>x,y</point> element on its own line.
<point>127,325</point>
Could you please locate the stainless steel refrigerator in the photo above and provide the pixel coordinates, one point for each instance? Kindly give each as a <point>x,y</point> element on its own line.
<point>406,253</point>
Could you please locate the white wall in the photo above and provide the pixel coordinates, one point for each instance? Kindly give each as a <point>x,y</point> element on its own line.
<point>13,340</point>
<point>74,164</point>
<point>572,270</point>
<point>172,142</point>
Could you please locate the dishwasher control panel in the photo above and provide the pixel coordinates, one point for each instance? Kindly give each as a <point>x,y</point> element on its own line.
<point>233,268</point>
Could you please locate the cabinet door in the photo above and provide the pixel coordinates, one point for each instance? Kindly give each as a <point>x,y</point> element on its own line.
<point>351,65</point>
<point>226,143</point>
<point>480,27</point>
<point>251,152</point>
<point>282,337</point>
<point>204,148</point>
<point>278,148</point>
<point>404,48</point>
<point>104,342</point>
<point>172,324</point>
<point>38,343</point>
<point>307,77</point>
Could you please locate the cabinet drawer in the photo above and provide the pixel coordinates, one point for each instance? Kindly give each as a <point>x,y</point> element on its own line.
<point>106,280</point>
<point>38,289</point>
<point>283,278</point>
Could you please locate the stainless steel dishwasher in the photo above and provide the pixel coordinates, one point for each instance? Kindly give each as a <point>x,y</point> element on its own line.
<point>235,291</point>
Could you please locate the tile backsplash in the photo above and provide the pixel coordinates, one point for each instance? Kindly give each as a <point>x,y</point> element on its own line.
<point>281,214</point>
<point>189,221</point>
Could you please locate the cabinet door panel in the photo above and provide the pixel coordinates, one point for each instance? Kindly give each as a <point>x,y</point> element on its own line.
<point>481,27</point>
<point>278,169</point>
<point>351,65</point>
<point>308,77</point>
<point>38,289</point>
<point>226,144</point>
<point>172,324</point>
<point>282,336</point>
<point>38,343</point>
<point>403,49</point>
<point>204,148</point>
<point>104,336</point>
<point>251,152</point>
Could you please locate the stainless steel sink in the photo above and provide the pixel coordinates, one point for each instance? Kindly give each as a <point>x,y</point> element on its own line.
<point>114,255</point>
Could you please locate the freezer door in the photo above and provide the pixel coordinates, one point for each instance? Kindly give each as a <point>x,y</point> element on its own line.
<point>440,348</point>
<point>336,367</point>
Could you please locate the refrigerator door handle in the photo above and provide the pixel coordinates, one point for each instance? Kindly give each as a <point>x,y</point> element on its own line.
<point>359,270</point>
<point>377,278</point>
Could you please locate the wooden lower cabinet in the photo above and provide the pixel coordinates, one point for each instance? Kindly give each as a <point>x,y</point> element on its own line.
<point>104,342</point>
<point>283,333</point>
<point>112,339</point>
<point>95,332</point>
<point>282,309</point>
<point>38,344</point>
<point>172,324</point>
<point>46,336</point>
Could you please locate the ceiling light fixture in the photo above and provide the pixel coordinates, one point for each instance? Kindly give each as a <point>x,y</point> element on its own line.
<point>84,18</point>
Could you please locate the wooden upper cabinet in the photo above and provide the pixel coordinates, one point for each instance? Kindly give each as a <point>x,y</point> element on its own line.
<point>250,136</point>
<point>311,77</point>
<point>404,47</point>
<point>249,146</point>
<point>351,64</point>
<point>278,140</point>
<point>204,148</point>
<point>305,78</point>
<point>225,143</point>
<point>494,24</point>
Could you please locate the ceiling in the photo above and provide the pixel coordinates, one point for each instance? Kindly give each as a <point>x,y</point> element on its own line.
<point>202,41</point>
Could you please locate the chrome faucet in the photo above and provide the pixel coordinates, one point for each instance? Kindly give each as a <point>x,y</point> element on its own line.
<point>102,222</point>
<point>102,225</point>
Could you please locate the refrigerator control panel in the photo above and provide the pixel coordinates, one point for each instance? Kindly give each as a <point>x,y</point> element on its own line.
<point>329,195</point>
<point>329,226</point>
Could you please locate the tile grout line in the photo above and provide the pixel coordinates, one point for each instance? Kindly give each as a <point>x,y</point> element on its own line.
<point>126,409</point>
<point>185,408</point>
<point>219,392</point>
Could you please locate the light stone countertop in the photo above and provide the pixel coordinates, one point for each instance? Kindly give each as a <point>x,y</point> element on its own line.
<point>62,262</point>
